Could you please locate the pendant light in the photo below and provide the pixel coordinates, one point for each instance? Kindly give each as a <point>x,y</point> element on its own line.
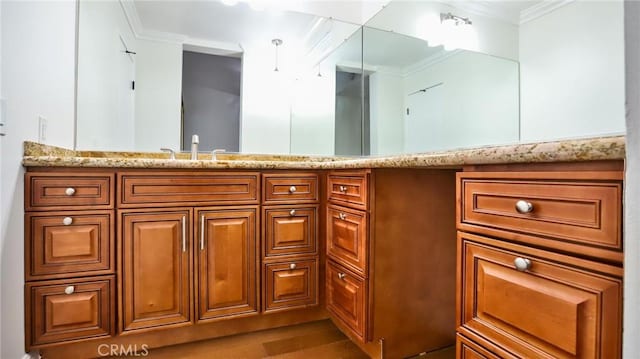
<point>276,43</point>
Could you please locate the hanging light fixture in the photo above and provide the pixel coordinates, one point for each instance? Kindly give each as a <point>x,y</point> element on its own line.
<point>276,43</point>
<point>319,73</point>
<point>449,19</point>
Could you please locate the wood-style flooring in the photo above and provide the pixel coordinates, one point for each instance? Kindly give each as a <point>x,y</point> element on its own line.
<point>316,340</point>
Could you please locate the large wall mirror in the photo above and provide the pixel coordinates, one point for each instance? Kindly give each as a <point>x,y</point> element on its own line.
<point>418,76</point>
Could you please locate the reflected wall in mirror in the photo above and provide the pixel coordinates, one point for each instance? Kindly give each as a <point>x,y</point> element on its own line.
<point>571,72</point>
<point>153,73</point>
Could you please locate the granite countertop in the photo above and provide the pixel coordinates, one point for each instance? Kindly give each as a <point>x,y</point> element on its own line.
<point>591,149</point>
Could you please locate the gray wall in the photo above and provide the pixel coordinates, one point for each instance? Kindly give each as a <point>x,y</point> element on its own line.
<point>211,100</point>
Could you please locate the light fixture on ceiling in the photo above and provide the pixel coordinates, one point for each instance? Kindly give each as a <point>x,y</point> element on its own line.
<point>454,20</point>
<point>276,43</point>
<point>319,73</point>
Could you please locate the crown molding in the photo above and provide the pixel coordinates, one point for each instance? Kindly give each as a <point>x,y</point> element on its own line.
<point>131,14</point>
<point>541,9</point>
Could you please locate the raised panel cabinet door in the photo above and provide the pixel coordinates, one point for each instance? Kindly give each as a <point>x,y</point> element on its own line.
<point>346,299</point>
<point>290,230</point>
<point>347,238</point>
<point>155,269</point>
<point>290,284</point>
<point>64,244</point>
<point>536,308</point>
<point>466,349</point>
<point>227,255</point>
<point>65,310</point>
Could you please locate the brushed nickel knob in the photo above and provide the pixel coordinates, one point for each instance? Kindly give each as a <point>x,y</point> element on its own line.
<point>292,266</point>
<point>292,212</point>
<point>67,221</point>
<point>342,216</point>
<point>292,189</point>
<point>69,290</point>
<point>524,207</point>
<point>341,275</point>
<point>522,264</point>
<point>343,189</point>
<point>70,191</point>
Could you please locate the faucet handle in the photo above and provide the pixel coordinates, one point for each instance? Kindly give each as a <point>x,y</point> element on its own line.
<point>215,152</point>
<point>172,153</point>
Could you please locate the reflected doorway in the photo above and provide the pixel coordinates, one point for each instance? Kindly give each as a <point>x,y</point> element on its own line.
<point>352,114</point>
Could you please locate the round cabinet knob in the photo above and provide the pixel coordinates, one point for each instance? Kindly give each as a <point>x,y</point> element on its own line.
<point>342,216</point>
<point>341,275</point>
<point>292,212</point>
<point>67,221</point>
<point>292,266</point>
<point>522,264</point>
<point>70,191</point>
<point>343,188</point>
<point>524,207</point>
<point>69,290</point>
<point>292,189</point>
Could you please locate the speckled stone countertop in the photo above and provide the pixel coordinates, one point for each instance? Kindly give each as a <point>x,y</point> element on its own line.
<point>591,149</point>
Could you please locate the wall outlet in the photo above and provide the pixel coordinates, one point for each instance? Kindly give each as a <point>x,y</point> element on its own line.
<point>42,129</point>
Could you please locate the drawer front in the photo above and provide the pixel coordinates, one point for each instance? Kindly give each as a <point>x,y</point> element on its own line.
<point>63,244</point>
<point>467,349</point>
<point>290,231</point>
<point>68,190</point>
<point>347,238</point>
<point>289,188</point>
<point>70,310</point>
<point>567,313</point>
<point>291,284</point>
<point>586,213</point>
<point>154,189</point>
<point>348,189</point>
<point>347,298</point>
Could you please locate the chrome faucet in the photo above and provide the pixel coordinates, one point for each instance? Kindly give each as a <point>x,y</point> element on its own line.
<point>172,153</point>
<point>194,147</point>
<point>214,154</point>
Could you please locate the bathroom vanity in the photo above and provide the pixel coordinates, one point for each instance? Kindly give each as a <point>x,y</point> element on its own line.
<point>131,250</point>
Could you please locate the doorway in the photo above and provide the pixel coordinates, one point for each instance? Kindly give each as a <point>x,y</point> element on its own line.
<point>211,101</point>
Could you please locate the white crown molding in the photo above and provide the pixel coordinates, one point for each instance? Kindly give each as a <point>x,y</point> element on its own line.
<point>430,61</point>
<point>541,9</point>
<point>131,14</point>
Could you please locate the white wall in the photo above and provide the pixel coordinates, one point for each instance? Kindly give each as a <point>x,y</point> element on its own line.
<point>479,101</point>
<point>631,345</point>
<point>313,114</point>
<point>572,72</point>
<point>386,93</point>
<point>158,95</point>
<point>266,103</point>
<point>38,70</point>
<point>100,124</point>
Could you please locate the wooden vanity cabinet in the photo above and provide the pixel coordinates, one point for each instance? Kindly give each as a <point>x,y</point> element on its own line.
<point>391,247</point>
<point>540,264</point>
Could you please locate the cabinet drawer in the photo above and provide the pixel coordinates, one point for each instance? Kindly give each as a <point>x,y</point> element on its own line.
<point>466,349</point>
<point>290,188</point>
<point>67,310</point>
<point>347,298</point>
<point>348,189</point>
<point>291,284</point>
<point>290,230</point>
<point>168,188</point>
<point>547,310</point>
<point>68,190</point>
<point>570,212</point>
<point>347,238</point>
<point>63,244</point>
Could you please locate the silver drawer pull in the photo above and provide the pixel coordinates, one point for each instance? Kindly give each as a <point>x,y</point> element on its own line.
<point>69,290</point>
<point>342,216</point>
<point>341,275</point>
<point>292,189</point>
<point>292,212</point>
<point>70,191</point>
<point>292,266</point>
<point>343,189</point>
<point>522,264</point>
<point>67,221</point>
<point>524,207</point>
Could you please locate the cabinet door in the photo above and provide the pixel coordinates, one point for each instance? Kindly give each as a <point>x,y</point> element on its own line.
<point>544,309</point>
<point>155,269</point>
<point>346,298</point>
<point>291,284</point>
<point>289,230</point>
<point>347,238</point>
<point>227,262</point>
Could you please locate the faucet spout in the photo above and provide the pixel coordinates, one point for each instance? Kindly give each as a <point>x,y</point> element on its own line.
<point>194,147</point>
